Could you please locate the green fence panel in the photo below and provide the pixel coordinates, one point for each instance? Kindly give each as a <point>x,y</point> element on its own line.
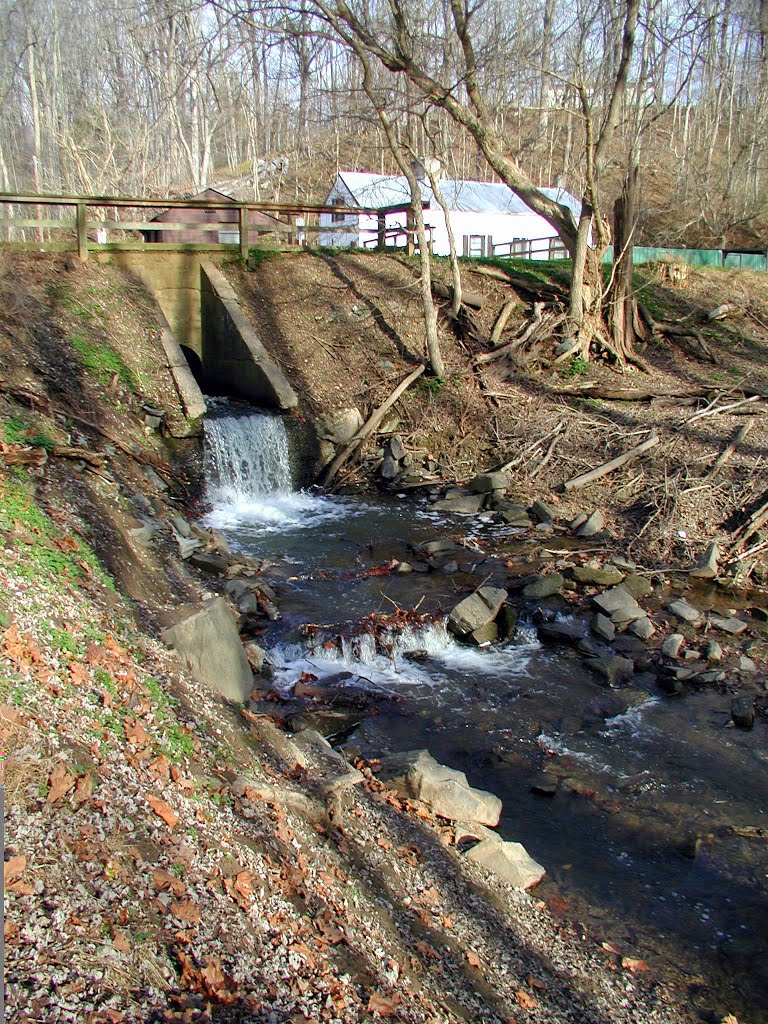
<point>746,261</point>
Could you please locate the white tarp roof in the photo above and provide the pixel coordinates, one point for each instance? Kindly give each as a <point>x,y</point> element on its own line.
<point>378,190</point>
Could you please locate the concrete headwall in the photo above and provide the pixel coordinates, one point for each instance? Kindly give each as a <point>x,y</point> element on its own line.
<point>174,279</point>
<point>234,360</point>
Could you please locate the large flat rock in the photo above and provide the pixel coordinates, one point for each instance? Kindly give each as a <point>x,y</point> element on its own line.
<point>477,610</point>
<point>416,774</point>
<point>510,862</point>
<point>207,639</point>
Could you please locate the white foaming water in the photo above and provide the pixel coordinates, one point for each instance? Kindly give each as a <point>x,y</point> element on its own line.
<point>391,670</point>
<point>249,476</point>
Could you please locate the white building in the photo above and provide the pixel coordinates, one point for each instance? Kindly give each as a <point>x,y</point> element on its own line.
<point>487,219</point>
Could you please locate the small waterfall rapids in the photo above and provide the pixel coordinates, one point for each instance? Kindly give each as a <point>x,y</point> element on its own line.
<point>248,474</point>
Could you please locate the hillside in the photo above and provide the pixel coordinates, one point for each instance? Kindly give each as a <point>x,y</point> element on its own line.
<point>173,856</point>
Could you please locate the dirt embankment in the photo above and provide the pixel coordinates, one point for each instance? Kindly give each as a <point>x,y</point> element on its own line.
<point>168,858</point>
<point>347,329</point>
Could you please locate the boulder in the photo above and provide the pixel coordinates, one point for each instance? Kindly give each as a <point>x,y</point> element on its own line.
<point>684,611</point>
<point>389,467</point>
<point>603,626</point>
<point>340,426</point>
<point>743,711</point>
<point>510,862</point>
<point>568,633</point>
<point>397,448</point>
<point>729,624</point>
<point>207,639</point>
<point>642,628</point>
<point>714,653</point>
<point>706,566</point>
<point>592,525</point>
<point>597,576</point>
<point>670,648</point>
<point>487,634</point>
<point>541,512</point>
<point>544,586</point>
<point>618,605</point>
<point>207,561</point>
<point>476,610</point>
<point>436,548</point>
<point>637,586</point>
<point>418,776</point>
<point>612,668</point>
<point>463,505</point>
<point>484,483</point>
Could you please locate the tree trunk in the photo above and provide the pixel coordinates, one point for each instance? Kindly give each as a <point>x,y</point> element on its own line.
<point>623,308</point>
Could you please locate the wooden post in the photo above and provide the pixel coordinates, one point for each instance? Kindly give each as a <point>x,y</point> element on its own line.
<point>82,231</point>
<point>410,227</point>
<point>381,231</point>
<point>243,219</point>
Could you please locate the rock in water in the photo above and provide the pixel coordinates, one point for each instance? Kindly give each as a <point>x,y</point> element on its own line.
<point>484,483</point>
<point>743,711</point>
<point>544,586</point>
<point>476,610</point>
<point>618,605</point>
<point>416,774</point>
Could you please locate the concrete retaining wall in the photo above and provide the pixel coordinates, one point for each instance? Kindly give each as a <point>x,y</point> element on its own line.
<point>234,360</point>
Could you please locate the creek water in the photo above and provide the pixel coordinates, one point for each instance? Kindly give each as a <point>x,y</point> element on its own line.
<point>640,779</point>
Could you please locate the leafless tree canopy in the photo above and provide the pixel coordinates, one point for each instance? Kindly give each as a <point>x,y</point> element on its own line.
<point>170,95</point>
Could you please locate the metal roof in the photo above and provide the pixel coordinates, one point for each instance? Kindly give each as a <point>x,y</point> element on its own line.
<point>466,196</point>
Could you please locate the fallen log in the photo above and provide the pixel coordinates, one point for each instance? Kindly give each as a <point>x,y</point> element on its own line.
<point>329,473</point>
<point>468,298</point>
<point>501,321</point>
<point>718,409</point>
<point>608,467</point>
<point>629,394</point>
<point>65,451</point>
<point>528,286</point>
<point>741,433</point>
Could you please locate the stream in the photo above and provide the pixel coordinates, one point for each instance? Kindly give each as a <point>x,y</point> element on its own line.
<point>638,838</point>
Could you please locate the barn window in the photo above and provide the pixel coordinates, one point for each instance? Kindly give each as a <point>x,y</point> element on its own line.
<point>229,236</point>
<point>338,218</point>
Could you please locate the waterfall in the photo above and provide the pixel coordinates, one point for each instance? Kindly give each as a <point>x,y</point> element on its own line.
<point>248,475</point>
<point>246,456</point>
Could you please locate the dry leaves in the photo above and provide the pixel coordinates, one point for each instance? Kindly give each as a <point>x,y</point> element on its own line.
<point>135,732</point>
<point>634,966</point>
<point>525,1000</point>
<point>383,1005</point>
<point>162,879</point>
<point>13,868</point>
<point>83,789</point>
<point>163,810</point>
<point>61,781</point>
<point>187,911</point>
<point>473,959</point>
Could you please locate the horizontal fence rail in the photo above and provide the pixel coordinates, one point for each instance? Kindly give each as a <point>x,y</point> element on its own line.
<point>80,227</point>
<point>82,223</point>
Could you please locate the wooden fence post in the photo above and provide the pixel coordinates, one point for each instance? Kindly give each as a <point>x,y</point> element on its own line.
<point>82,231</point>
<point>243,211</point>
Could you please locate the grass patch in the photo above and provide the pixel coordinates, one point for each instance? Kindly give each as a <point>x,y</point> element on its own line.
<point>46,562</point>
<point>102,360</point>
<point>577,367</point>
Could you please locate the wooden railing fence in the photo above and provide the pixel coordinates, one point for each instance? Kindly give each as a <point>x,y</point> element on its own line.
<point>80,223</point>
